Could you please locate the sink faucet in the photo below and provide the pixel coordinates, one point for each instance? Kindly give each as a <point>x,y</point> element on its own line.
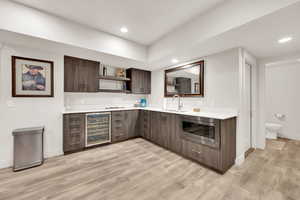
<point>180,104</point>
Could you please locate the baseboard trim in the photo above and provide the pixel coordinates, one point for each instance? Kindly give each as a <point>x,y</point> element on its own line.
<point>240,159</point>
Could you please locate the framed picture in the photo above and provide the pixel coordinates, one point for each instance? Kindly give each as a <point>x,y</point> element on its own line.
<point>32,77</point>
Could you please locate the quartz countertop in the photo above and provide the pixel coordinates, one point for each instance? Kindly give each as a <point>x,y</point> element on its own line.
<point>222,115</point>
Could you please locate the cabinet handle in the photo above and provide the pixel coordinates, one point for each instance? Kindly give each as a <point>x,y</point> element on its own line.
<point>195,151</point>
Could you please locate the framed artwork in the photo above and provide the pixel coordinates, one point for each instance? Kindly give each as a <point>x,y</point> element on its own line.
<point>32,77</point>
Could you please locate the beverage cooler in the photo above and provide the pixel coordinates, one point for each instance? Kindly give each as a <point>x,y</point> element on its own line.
<point>98,128</point>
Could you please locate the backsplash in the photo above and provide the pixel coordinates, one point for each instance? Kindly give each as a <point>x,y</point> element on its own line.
<point>204,104</point>
<point>99,100</point>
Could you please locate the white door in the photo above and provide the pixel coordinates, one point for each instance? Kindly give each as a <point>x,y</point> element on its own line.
<point>248,117</point>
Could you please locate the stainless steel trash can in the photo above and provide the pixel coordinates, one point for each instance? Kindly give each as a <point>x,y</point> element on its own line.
<point>28,147</point>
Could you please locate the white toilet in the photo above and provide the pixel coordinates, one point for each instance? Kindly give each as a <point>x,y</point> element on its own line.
<point>272,130</point>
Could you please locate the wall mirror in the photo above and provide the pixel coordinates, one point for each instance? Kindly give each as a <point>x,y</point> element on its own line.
<point>186,80</point>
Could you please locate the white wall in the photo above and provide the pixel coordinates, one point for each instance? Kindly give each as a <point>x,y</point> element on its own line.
<point>282,96</point>
<point>221,87</point>
<point>27,112</point>
<point>24,20</point>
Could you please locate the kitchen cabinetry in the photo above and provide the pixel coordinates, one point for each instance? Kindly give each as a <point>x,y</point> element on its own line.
<point>175,137</point>
<point>145,124</point>
<point>118,127</point>
<point>74,132</point>
<point>80,75</point>
<point>140,81</point>
<point>162,128</point>
<point>131,119</point>
<point>124,125</point>
<point>166,130</point>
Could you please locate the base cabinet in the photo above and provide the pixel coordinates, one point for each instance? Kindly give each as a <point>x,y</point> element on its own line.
<point>145,124</point>
<point>166,131</point>
<point>124,125</point>
<point>163,129</point>
<point>74,132</point>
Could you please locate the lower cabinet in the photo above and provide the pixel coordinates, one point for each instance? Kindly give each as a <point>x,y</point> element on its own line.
<point>201,153</point>
<point>74,132</point>
<point>124,125</point>
<point>145,124</point>
<point>118,127</point>
<point>163,129</point>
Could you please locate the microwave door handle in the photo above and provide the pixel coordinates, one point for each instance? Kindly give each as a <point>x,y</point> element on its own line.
<point>201,123</point>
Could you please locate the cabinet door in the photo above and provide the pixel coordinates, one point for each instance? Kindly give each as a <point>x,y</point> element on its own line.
<point>140,81</point>
<point>80,75</point>
<point>145,124</point>
<point>74,132</point>
<point>118,127</point>
<point>131,120</point>
<point>155,128</point>
<point>166,129</point>
<point>137,82</point>
<point>175,135</point>
<point>147,82</point>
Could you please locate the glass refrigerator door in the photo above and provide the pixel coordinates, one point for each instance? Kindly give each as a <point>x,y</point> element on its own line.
<point>97,128</point>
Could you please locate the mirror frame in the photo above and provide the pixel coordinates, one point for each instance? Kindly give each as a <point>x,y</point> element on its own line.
<point>186,66</point>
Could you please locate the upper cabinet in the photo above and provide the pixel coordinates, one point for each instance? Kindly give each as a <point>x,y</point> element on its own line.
<point>140,81</point>
<point>186,80</point>
<point>80,75</point>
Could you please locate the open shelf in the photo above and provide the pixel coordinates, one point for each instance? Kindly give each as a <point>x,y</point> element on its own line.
<point>114,78</point>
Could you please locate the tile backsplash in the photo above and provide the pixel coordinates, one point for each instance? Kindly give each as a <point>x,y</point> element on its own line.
<point>100,100</point>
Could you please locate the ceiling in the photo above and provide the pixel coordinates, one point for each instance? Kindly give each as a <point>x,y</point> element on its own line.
<point>147,20</point>
<point>259,37</point>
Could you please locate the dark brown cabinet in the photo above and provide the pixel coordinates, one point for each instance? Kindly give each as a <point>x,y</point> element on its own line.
<point>163,129</point>
<point>80,75</point>
<point>118,126</point>
<point>201,153</point>
<point>124,125</point>
<point>132,123</point>
<point>175,136</point>
<point>140,81</point>
<point>74,132</point>
<point>145,124</point>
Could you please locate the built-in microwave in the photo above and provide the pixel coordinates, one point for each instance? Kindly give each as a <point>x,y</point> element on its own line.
<point>200,130</point>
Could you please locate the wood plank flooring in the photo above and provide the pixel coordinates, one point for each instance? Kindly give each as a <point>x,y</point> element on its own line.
<point>140,170</point>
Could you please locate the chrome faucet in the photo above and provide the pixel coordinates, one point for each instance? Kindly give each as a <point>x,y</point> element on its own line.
<point>180,104</point>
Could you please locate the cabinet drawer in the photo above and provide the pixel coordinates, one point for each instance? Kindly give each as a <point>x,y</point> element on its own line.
<point>192,150</point>
<point>118,115</point>
<point>117,129</point>
<point>119,137</point>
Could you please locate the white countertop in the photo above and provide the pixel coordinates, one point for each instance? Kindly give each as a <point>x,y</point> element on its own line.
<point>208,114</point>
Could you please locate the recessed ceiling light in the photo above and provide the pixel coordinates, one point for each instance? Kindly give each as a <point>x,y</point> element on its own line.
<point>174,60</point>
<point>284,40</point>
<point>124,30</point>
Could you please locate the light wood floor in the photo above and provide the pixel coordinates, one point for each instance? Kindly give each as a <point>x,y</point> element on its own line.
<point>139,170</point>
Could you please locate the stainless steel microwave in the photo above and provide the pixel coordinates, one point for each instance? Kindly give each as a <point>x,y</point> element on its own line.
<point>200,130</point>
